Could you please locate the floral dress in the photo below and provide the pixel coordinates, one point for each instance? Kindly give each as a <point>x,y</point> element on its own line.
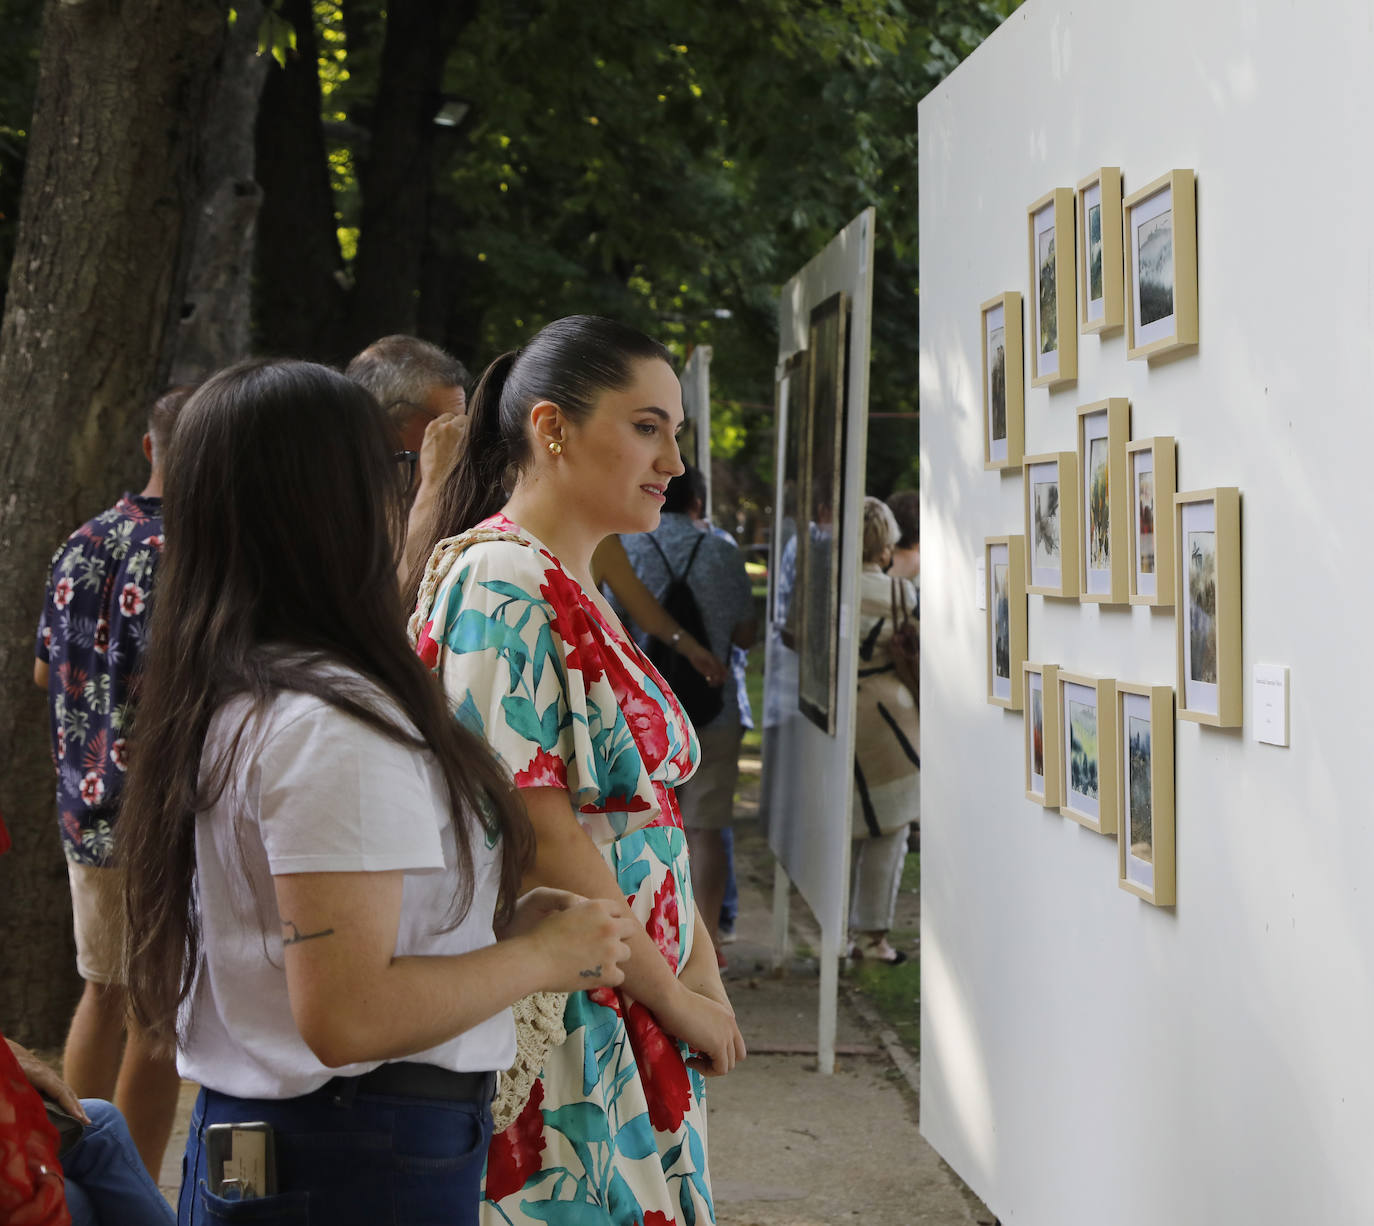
<point>615,1128</point>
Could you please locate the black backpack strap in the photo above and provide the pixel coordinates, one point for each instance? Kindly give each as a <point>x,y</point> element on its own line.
<point>672,578</point>
<point>691,557</point>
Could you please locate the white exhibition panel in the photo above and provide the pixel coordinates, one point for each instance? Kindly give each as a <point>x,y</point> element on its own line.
<point>808,775</point>
<point>1088,1059</point>
<point>696,405</point>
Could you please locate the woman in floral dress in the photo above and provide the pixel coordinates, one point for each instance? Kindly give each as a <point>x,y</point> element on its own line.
<point>580,427</point>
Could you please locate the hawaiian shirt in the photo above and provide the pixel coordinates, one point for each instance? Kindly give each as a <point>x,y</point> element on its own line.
<point>92,635</point>
<point>739,656</point>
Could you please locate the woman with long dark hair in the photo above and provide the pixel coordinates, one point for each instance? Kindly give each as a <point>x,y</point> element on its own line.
<point>315,849</point>
<point>573,438</point>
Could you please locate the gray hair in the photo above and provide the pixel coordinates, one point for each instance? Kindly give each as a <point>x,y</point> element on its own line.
<point>401,371</point>
<point>880,528</point>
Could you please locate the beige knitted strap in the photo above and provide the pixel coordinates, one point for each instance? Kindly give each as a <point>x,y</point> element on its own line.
<point>441,561</point>
<point>538,1030</point>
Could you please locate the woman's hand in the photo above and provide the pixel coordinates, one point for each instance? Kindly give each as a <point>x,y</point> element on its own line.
<point>48,1083</point>
<point>708,1027</point>
<point>583,940</point>
<point>533,906</point>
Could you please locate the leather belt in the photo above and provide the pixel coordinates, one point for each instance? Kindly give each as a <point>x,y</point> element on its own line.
<point>406,1079</point>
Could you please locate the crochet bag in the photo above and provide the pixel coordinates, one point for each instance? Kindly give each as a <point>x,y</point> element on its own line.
<point>905,645</point>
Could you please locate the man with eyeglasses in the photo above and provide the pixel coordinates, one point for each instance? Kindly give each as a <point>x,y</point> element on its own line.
<point>423,390</point>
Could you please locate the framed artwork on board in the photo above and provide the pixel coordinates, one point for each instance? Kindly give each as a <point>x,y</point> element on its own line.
<point>1087,746</point>
<point>1004,393</point>
<point>1054,315</point>
<point>1050,504</point>
<point>790,394</point>
<point>1004,573</point>
<point>817,591</point>
<point>1042,734</point>
<point>1103,429</point>
<point>1145,769</point>
<point>1207,606</point>
<point>1150,469</point>
<point>1101,300</point>
<point>1159,232</point>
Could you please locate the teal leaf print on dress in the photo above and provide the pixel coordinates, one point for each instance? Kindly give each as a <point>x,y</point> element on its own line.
<point>636,1138</point>
<point>579,1122</point>
<point>521,717</point>
<point>631,876</point>
<point>564,1212</point>
<point>474,631</point>
<point>470,717</point>
<point>509,590</point>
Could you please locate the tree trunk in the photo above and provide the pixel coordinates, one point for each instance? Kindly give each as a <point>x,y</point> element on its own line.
<point>94,289</point>
<point>216,312</point>
<point>396,178</point>
<point>299,301</point>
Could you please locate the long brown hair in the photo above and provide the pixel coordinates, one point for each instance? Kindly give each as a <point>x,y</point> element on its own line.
<point>282,509</point>
<point>570,362</point>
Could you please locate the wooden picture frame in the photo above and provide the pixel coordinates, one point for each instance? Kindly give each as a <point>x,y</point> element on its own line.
<point>1145,770</point>
<point>1207,606</point>
<point>822,508</point>
<point>1151,478</point>
<point>1041,737</point>
<point>1004,577</point>
<point>1087,750</point>
<point>1159,242</point>
<point>1004,393</point>
<point>1049,504</point>
<point>1104,427</point>
<point>1101,267</point>
<point>1053,333</point>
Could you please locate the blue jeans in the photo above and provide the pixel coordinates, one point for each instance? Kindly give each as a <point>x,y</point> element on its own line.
<point>729,904</point>
<point>372,1160</point>
<point>106,1182</point>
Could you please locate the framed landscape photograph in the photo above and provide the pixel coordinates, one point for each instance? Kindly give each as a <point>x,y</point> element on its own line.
<point>817,590</point>
<point>1087,750</point>
<point>1103,429</point>
<point>1101,299</point>
<point>1004,393</point>
<point>790,394</point>
<point>1150,469</point>
<point>1159,225</point>
<point>1207,606</point>
<point>1053,296</point>
<point>1004,573</point>
<point>1145,771</point>
<point>1050,504</point>
<point>1041,691</point>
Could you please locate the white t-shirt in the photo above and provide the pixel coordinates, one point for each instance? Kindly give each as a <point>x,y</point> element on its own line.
<point>319,792</point>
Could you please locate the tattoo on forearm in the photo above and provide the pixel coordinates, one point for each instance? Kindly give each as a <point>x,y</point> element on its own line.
<point>594,973</point>
<point>297,936</point>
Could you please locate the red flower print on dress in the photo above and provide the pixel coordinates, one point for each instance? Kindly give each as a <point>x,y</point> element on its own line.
<point>666,1086</point>
<point>514,1153</point>
<point>574,622</point>
<point>117,753</point>
<point>92,788</point>
<point>427,648</point>
<point>545,770</point>
<point>647,725</point>
<point>617,804</point>
<point>657,1218</point>
<point>62,592</point>
<point>607,998</point>
<point>665,924</point>
<point>131,600</point>
<point>102,635</point>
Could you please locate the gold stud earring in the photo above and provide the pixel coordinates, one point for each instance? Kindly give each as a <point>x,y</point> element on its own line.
<point>556,447</point>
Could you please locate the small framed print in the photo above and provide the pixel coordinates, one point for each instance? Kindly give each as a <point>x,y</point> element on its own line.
<point>1050,497</point>
<point>1159,233</point>
<point>1004,393</point>
<point>1054,315</point>
<point>1207,606</point>
<point>1005,576</point>
<point>1042,734</point>
<point>1145,770</point>
<point>1101,300</point>
<point>1103,428</point>
<point>1150,468</point>
<point>1087,750</point>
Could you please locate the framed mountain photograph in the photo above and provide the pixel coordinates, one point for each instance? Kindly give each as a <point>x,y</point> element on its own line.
<point>1004,561</point>
<point>1053,293</point>
<point>1050,504</point>
<point>1150,471</point>
<point>1004,382</point>
<point>1101,299</point>
<point>1103,430</point>
<point>1087,750</point>
<point>1207,606</point>
<point>1159,224</point>
<point>1145,774</point>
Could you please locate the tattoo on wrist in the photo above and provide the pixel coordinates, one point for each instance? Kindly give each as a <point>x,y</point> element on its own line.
<point>297,936</point>
<point>594,973</point>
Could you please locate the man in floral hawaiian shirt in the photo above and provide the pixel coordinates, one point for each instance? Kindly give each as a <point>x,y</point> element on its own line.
<point>89,655</point>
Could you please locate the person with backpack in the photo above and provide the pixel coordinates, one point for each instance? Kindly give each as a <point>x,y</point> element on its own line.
<point>699,578</point>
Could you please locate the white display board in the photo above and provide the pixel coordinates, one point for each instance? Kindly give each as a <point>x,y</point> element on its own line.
<point>696,404</point>
<point>807,774</point>
<point>1088,1059</point>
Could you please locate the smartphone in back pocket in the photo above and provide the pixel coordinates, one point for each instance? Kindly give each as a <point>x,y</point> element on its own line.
<point>241,1160</point>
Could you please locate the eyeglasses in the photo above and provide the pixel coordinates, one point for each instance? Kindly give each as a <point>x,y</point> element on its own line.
<point>410,459</point>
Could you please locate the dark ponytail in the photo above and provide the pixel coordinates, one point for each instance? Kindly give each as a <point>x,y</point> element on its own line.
<point>571,362</point>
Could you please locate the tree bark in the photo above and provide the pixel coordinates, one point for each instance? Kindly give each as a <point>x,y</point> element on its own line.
<point>299,300</point>
<point>94,290</point>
